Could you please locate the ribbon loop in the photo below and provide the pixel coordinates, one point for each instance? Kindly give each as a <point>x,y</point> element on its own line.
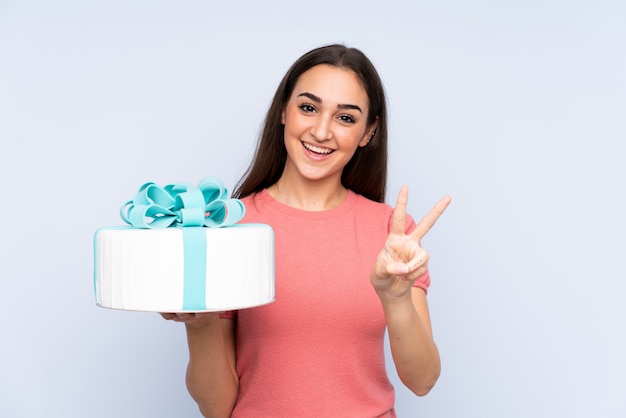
<point>152,193</point>
<point>183,205</point>
<point>212,189</point>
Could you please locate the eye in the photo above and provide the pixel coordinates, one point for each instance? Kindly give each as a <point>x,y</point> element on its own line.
<point>347,119</point>
<point>307,108</point>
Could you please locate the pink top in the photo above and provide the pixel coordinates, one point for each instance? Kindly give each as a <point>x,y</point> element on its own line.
<point>317,351</point>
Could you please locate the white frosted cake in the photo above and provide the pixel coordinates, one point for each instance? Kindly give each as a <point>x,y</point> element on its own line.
<point>153,270</point>
<point>183,268</point>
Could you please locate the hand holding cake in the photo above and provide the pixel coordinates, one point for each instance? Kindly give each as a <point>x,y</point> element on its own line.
<point>192,319</point>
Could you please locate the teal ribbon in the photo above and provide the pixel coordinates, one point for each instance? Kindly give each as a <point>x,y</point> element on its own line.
<point>194,254</point>
<point>182,205</point>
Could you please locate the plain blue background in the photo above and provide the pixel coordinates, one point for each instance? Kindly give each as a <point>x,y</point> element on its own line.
<point>516,109</point>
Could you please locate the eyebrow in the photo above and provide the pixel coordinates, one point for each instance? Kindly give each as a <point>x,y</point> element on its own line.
<point>319,100</point>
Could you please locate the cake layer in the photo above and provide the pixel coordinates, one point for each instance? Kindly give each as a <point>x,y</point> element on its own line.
<point>191,269</point>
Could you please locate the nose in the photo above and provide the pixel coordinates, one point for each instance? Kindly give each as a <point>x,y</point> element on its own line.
<point>321,129</point>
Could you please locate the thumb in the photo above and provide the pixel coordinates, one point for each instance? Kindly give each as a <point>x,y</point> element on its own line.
<point>396,267</point>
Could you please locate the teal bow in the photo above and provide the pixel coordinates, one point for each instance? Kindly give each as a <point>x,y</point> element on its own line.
<point>180,204</point>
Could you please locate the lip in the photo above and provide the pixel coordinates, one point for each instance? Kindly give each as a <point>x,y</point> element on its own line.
<point>316,155</point>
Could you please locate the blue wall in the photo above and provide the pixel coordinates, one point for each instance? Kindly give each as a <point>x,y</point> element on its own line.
<point>516,109</point>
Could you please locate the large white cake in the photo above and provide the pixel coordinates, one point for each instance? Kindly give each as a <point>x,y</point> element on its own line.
<point>184,269</point>
<point>184,252</point>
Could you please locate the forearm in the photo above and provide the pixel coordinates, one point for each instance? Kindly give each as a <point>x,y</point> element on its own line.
<point>211,377</point>
<point>414,352</point>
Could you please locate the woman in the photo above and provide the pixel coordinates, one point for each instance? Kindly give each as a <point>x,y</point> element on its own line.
<point>318,178</point>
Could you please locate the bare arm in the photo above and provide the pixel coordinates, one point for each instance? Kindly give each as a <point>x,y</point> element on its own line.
<point>413,349</point>
<point>398,265</point>
<point>211,376</point>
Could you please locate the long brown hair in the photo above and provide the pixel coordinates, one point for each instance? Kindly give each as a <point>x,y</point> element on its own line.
<point>366,172</point>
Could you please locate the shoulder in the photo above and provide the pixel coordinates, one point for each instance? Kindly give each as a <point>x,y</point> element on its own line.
<point>253,204</point>
<point>371,209</point>
<point>365,204</point>
<point>379,212</point>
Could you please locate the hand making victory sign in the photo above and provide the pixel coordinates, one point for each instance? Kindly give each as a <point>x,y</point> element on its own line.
<point>402,260</point>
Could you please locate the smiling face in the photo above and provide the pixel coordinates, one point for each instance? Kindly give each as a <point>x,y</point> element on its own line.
<point>325,122</point>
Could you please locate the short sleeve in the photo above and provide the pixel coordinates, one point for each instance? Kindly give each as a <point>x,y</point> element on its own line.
<point>423,282</point>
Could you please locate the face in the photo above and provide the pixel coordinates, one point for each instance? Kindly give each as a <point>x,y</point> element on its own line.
<point>325,121</point>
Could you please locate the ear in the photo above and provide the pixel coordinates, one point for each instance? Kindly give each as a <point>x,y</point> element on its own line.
<point>365,140</point>
<point>370,132</point>
<point>282,116</point>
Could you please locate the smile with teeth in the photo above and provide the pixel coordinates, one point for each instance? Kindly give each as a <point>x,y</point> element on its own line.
<point>317,150</point>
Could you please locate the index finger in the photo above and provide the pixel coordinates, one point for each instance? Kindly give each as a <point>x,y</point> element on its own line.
<point>399,213</point>
<point>431,217</point>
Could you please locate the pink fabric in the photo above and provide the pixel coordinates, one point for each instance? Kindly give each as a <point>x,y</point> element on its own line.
<point>317,351</point>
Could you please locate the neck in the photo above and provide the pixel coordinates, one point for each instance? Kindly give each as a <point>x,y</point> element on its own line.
<point>308,195</point>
